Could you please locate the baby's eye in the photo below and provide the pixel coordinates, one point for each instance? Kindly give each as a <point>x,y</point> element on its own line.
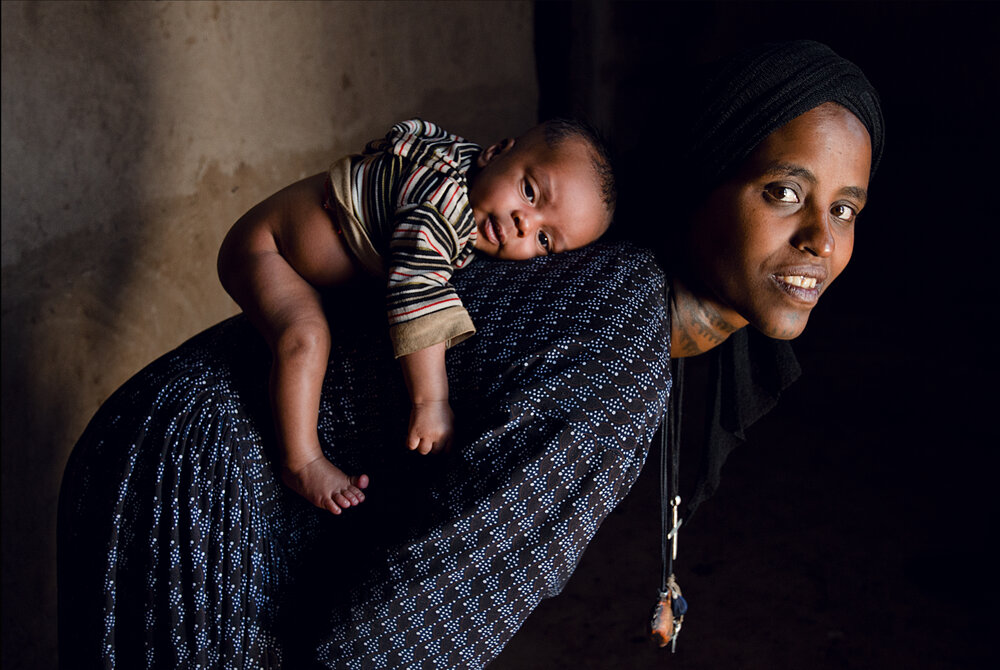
<point>781,193</point>
<point>843,212</point>
<point>543,241</point>
<point>529,192</point>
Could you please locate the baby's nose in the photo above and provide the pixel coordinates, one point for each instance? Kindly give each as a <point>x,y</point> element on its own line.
<point>524,222</point>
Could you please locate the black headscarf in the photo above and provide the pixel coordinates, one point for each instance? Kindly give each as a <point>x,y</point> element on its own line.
<point>736,103</point>
<point>741,100</point>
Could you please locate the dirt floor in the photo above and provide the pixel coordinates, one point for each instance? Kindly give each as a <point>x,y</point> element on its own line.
<point>849,532</point>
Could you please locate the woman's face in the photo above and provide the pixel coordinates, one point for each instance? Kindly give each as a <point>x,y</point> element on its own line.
<point>771,240</point>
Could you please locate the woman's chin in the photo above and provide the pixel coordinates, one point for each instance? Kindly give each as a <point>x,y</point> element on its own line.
<point>786,328</point>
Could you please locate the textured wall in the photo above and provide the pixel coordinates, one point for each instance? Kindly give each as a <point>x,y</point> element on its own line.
<point>134,134</point>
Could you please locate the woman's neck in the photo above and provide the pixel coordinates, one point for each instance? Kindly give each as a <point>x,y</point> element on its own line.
<point>698,324</point>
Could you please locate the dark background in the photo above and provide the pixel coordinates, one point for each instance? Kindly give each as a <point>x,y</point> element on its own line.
<point>854,529</point>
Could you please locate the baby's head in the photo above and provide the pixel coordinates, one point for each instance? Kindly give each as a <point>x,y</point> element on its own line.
<point>552,189</point>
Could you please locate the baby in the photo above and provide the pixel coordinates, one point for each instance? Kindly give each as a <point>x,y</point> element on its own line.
<point>413,208</point>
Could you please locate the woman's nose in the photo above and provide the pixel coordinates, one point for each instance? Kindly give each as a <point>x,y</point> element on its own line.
<point>814,236</point>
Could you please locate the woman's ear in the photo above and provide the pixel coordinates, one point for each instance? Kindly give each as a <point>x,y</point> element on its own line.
<point>494,150</point>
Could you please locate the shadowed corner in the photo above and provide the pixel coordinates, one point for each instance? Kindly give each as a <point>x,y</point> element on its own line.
<point>102,271</point>
<point>80,135</point>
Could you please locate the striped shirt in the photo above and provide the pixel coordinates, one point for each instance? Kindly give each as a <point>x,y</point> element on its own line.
<point>410,195</point>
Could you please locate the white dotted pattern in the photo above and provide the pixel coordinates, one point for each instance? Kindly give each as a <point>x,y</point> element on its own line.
<point>179,548</point>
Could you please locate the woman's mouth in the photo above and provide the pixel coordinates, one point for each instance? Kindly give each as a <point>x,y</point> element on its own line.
<point>797,280</point>
<point>804,288</point>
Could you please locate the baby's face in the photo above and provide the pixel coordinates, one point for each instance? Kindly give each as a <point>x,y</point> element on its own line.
<point>530,199</point>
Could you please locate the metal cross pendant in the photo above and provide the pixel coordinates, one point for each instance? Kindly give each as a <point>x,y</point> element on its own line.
<point>675,531</point>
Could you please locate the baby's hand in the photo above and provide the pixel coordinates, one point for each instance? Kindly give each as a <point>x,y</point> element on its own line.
<point>431,427</point>
<point>325,485</point>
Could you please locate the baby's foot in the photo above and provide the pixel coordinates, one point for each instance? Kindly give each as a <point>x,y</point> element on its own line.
<point>325,485</point>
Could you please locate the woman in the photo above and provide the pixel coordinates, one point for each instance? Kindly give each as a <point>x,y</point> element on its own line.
<point>180,548</point>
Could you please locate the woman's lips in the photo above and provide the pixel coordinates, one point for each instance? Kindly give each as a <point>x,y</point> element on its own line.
<point>802,284</point>
<point>797,280</point>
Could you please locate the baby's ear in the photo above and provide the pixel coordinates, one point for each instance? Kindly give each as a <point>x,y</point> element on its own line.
<point>494,150</point>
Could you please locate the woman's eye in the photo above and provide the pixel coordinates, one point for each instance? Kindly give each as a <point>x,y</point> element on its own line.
<point>781,193</point>
<point>529,192</point>
<point>845,213</point>
<point>543,240</point>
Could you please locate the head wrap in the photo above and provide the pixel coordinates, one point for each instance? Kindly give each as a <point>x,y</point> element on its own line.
<point>736,103</point>
<point>744,98</point>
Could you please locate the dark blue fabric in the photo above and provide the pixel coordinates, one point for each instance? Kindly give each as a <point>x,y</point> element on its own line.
<point>179,547</point>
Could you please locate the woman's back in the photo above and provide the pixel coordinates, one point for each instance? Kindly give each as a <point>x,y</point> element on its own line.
<point>180,545</point>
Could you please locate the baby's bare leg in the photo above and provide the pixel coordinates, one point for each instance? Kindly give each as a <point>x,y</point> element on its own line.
<point>274,262</point>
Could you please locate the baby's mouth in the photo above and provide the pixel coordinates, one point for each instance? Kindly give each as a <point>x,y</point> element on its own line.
<point>493,231</point>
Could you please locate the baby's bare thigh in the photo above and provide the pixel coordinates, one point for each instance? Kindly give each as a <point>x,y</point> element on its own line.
<point>308,238</point>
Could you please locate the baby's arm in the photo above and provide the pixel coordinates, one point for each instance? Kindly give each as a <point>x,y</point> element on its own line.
<point>424,248</point>
<point>431,418</point>
<point>273,263</point>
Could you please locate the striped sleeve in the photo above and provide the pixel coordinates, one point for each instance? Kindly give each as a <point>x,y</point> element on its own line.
<point>410,188</point>
<point>423,249</point>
